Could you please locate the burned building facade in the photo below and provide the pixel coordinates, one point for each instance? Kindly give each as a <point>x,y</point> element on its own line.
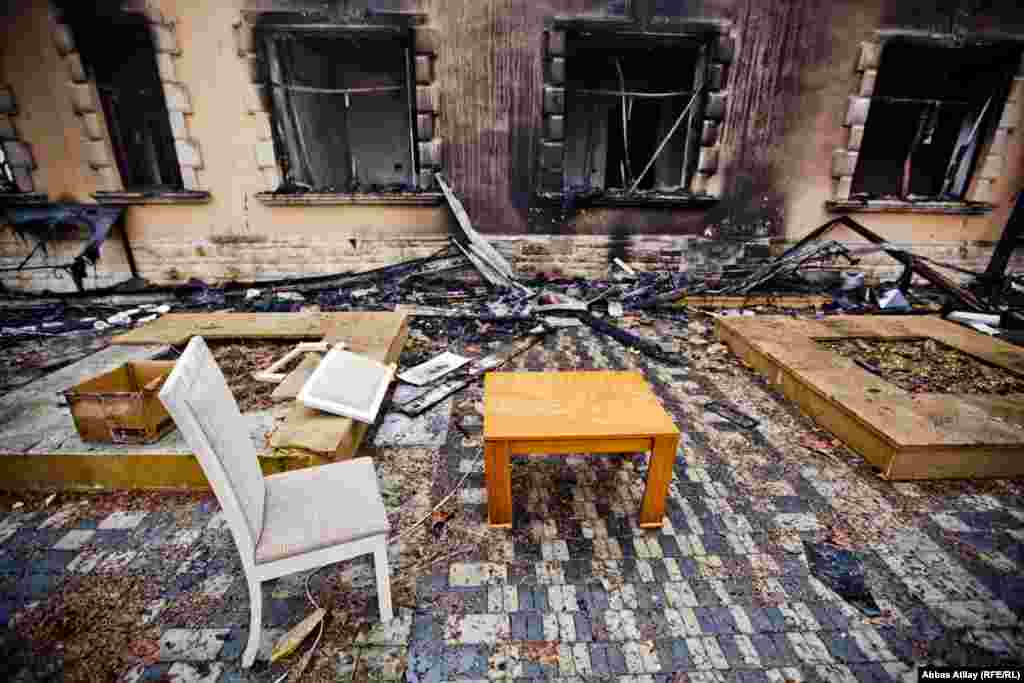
<point>260,138</point>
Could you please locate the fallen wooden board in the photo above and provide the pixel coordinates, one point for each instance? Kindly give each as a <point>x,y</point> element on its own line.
<point>380,336</point>
<point>779,300</point>
<point>288,389</point>
<point>177,328</point>
<point>371,333</point>
<point>794,300</point>
<point>905,435</point>
<point>273,374</point>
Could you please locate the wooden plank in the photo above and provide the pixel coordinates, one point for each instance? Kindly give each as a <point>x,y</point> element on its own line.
<point>379,335</point>
<point>494,258</point>
<point>289,388</point>
<point>272,375</point>
<point>967,435</point>
<point>571,405</point>
<point>177,328</point>
<point>370,333</point>
<point>137,471</point>
<point>1009,408</point>
<point>782,300</point>
<point>961,462</point>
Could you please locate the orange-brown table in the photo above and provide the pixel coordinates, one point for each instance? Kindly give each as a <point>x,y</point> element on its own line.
<point>574,412</point>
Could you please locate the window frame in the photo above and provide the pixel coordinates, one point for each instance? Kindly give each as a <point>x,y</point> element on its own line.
<point>701,148</point>
<point>96,141</point>
<point>990,151</point>
<point>124,155</point>
<point>404,35</point>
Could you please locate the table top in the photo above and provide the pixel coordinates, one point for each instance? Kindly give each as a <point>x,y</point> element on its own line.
<point>566,405</point>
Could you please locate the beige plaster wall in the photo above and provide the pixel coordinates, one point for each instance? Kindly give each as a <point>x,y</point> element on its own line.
<point>818,129</point>
<point>235,236</point>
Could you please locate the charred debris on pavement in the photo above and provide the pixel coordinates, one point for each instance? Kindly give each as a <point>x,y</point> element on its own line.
<point>469,290</point>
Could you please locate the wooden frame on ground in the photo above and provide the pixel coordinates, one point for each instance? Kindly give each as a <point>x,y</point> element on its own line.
<point>906,435</point>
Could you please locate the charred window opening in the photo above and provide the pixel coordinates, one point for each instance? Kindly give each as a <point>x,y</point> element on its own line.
<point>341,110</point>
<point>630,104</point>
<point>118,51</point>
<point>7,181</point>
<point>932,110</point>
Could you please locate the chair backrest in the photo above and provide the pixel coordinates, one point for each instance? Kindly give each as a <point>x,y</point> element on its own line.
<point>198,398</point>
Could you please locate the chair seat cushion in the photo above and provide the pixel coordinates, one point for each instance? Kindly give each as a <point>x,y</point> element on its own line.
<point>320,507</point>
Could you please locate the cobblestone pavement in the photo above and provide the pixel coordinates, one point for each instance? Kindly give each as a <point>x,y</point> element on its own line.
<point>576,590</point>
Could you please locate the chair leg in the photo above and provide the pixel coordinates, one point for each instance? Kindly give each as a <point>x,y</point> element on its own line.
<point>255,623</point>
<point>380,564</point>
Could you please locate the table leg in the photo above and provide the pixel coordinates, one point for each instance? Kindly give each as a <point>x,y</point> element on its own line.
<point>659,476</point>
<point>498,473</point>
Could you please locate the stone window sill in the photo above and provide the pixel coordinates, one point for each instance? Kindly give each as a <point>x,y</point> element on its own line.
<point>896,206</point>
<point>650,200</point>
<point>154,197</point>
<point>351,199</point>
<point>23,198</point>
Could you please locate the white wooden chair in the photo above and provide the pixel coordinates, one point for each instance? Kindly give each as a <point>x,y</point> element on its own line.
<point>283,523</point>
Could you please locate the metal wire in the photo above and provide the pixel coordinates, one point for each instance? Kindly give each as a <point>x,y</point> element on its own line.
<point>336,91</point>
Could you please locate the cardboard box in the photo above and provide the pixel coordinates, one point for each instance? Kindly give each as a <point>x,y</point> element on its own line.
<point>122,406</point>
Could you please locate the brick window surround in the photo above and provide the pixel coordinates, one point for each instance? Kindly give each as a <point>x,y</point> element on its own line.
<point>425,98</point>
<point>95,134</point>
<point>980,195</point>
<point>717,52</point>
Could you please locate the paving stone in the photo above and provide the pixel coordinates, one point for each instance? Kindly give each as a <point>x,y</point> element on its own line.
<point>121,520</point>
<point>59,518</point>
<point>800,521</point>
<point>470,574</point>
<point>180,672</point>
<point>871,644</point>
<point>74,539</point>
<point>395,631</point>
<point>835,673</point>
<point>975,614</point>
<point>52,561</point>
<point>844,648</point>
<point>773,649</point>
<point>180,644</point>
<point>152,611</point>
<point>142,672</point>
<point>36,586</point>
<point>218,585</point>
<point>383,662</point>
<point>117,561</point>
<point>477,628</point>
<point>616,659</point>
<point>465,661</point>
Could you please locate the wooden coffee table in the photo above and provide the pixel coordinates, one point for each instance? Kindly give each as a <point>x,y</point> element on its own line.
<point>574,412</point>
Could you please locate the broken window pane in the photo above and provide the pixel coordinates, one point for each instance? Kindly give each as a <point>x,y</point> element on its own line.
<point>932,108</point>
<point>341,110</point>
<point>605,149</point>
<point>118,50</point>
